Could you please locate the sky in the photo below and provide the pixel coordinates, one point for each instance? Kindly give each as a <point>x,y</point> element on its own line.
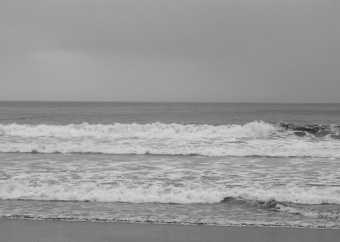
<point>170,50</point>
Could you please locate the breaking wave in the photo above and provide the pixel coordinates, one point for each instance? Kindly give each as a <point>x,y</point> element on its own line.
<point>253,129</point>
<point>167,193</point>
<point>252,139</point>
<point>329,211</point>
<point>316,130</point>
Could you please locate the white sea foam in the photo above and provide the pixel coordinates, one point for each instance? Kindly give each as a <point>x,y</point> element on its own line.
<point>176,146</point>
<point>309,212</point>
<point>107,193</point>
<point>297,195</point>
<point>161,193</point>
<point>252,139</point>
<point>253,129</point>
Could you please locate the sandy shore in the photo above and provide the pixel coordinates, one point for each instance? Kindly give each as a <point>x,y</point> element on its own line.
<point>64,231</point>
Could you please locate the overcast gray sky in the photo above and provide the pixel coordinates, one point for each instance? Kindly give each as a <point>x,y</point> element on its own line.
<point>170,50</point>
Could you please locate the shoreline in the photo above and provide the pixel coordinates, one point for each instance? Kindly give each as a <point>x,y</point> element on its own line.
<point>22,230</point>
<point>242,225</point>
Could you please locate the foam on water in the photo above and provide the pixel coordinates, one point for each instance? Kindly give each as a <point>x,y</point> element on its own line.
<point>267,190</point>
<point>253,129</point>
<point>107,193</point>
<point>190,214</point>
<point>163,193</point>
<point>252,139</point>
<point>222,170</point>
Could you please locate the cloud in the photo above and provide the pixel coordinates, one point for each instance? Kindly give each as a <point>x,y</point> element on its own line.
<point>171,50</point>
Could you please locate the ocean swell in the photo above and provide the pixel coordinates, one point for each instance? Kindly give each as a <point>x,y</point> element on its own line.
<point>252,139</point>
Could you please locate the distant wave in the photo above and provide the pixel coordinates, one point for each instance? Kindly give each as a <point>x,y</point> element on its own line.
<point>256,138</point>
<point>117,130</point>
<point>317,130</point>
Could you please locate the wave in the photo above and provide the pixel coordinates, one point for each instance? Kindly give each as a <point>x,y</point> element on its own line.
<point>253,129</point>
<point>328,211</point>
<point>167,193</point>
<point>311,203</point>
<point>262,148</point>
<point>19,190</point>
<point>316,130</point>
<point>250,130</point>
<point>258,139</point>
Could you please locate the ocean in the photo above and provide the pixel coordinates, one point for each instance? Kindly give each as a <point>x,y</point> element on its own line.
<point>213,164</point>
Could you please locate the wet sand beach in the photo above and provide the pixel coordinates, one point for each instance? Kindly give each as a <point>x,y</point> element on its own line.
<point>12,230</point>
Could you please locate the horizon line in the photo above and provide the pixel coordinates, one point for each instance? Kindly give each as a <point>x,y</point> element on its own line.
<point>171,102</point>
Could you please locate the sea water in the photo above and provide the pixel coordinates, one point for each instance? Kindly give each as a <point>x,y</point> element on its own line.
<point>214,164</point>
